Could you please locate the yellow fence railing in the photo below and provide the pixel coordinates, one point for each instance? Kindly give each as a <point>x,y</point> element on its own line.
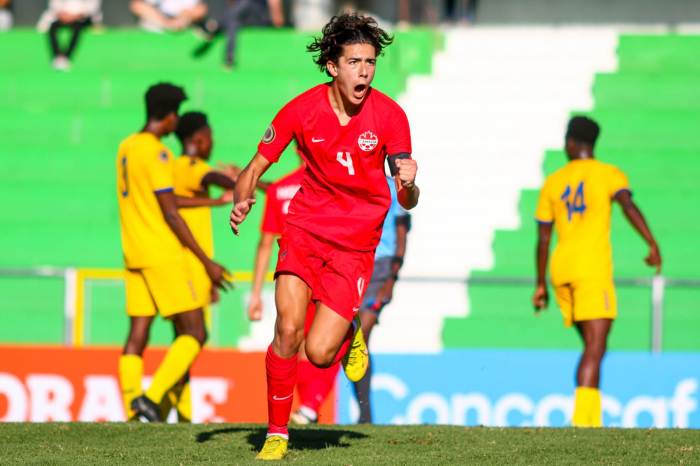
<point>74,285</point>
<point>81,275</point>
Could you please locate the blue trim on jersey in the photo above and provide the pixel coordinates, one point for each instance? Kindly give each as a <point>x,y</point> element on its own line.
<point>164,190</point>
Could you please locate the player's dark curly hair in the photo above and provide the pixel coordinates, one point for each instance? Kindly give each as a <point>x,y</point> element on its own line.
<point>190,123</point>
<point>347,29</point>
<point>163,99</point>
<point>583,130</point>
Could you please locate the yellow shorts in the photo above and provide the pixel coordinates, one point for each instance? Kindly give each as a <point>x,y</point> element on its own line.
<point>586,300</point>
<point>167,289</point>
<point>200,279</point>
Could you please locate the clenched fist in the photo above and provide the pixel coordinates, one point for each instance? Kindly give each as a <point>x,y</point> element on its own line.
<point>406,171</point>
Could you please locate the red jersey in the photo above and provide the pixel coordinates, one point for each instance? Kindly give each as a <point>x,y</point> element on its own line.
<point>277,199</point>
<point>343,197</point>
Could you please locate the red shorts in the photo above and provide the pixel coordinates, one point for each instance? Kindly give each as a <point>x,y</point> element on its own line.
<point>337,277</point>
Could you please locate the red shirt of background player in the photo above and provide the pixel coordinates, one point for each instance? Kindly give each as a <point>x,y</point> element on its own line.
<point>343,197</point>
<point>278,196</point>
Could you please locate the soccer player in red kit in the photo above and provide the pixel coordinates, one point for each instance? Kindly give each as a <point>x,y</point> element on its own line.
<point>345,130</point>
<point>313,383</point>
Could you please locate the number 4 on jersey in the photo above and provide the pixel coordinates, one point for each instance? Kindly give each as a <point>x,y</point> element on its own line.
<point>578,205</point>
<point>346,160</point>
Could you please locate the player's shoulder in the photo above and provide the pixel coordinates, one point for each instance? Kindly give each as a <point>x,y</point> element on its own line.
<point>309,97</point>
<point>385,102</point>
<point>556,176</point>
<point>129,141</point>
<point>144,142</point>
<point>607,167</point>
<point>183,162</point>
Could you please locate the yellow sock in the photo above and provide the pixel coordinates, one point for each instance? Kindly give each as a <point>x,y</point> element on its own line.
<point>596,409</point>
<point>167,403</point>
<point>184,404</point>
<point>179,397</point>
<point>177,361</point>
<point>587,408</point>
<point>130,375</point>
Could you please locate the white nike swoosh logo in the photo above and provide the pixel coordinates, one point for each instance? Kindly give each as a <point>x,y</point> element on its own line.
<point>314,140</point>
<point>276,398</point>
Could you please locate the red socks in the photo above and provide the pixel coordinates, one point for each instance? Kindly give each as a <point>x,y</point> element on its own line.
<point>315,383</point>
<point>281,378</point>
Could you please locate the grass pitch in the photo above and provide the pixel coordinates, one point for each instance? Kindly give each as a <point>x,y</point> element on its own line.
<point>133,443</point>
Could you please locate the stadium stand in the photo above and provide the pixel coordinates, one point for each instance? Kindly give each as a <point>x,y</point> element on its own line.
<point>61,131</point>
<point>648,109</point>
<point>481,122</point>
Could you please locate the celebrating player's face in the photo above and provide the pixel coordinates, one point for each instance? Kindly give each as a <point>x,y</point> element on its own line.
<point>354,71</point>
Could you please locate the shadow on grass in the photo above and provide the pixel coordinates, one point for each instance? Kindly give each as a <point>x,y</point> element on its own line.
<point>300,439</point>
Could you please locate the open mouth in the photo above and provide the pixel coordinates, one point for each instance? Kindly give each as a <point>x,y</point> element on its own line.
<point>360,90</point>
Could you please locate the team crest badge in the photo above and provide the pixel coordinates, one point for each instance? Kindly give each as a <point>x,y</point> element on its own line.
<point>269,135</point>
<point>367,141</point>
<point>163,156</point>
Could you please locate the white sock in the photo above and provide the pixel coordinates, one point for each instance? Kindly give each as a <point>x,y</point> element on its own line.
<point>308,412</point>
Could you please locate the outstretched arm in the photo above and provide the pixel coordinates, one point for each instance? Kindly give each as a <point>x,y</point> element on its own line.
<point>635,217</point>
<point>262,185</point>
<point>189,202</point>
<point>544,236</point>
<point>245,188</point>
<point>234,171</point>
<point>215,178</point>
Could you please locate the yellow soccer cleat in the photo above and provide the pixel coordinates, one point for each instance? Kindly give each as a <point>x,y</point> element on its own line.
<point>356,360</point>
<point>275,448</point>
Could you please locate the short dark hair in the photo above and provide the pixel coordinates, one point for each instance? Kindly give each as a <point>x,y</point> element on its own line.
<point>163,99</point>
<point>347,29</point>
<point>190,123</point>
<point>583,130</point>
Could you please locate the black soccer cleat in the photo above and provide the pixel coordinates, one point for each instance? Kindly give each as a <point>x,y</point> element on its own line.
<point>146,410</point>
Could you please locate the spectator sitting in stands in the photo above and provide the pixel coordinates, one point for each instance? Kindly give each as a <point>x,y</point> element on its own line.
<point>461,11</point>
<point>5,15</point>
<point>171,15</point>
<point>73,14</point>
<point>240,14</point>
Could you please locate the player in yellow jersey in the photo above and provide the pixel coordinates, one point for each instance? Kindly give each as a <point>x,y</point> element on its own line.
<point>193,176</point>
<point>154,238</point>
<point>577,200</point>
